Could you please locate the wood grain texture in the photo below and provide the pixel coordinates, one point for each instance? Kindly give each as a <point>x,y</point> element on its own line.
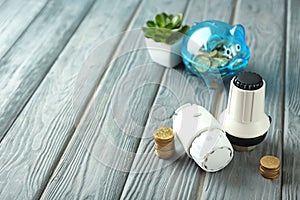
<point>111,154</point>
<point>180,177</point>
<point>99,156</point>
<point>264,24</point>
<point>291,137</point>
<point>34,143</point>
<point>30,151</point>
<point>15,17</point>
<point>29,60</point>
<point>1,2</point>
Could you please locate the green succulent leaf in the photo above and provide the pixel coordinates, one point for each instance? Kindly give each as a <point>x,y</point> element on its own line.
<point>150,24</point>
<point>184,29</point>
<point>160,20</point>
<point>164,15</point>
<point>177,20</point>
<point>169,25</point>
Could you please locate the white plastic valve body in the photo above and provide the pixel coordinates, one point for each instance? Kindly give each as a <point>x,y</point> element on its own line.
<point>202,137</point>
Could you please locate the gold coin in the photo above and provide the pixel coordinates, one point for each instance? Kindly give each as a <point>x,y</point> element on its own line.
<point>202,58</point>
<point>170,146</point>
<point>164,144</point>
<point>270,162</point>
<point>171,151</point>
<point>164,154</point>
<point>269,170</point>
<point>219,46</point>
<point>270,176</point>
<point>213,53</point>
<point>161,145</point>
<point>163,141</point>
<point>164,134</point>
<point>220,54</point>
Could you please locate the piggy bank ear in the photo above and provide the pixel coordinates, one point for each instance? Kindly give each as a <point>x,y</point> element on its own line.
<point>238,28</point>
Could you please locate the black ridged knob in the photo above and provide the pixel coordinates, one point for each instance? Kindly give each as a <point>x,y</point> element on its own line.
<point>248,81</point>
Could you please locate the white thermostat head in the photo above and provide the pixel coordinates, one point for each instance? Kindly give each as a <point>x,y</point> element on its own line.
<point>244,119</point>
<point>202,137</point>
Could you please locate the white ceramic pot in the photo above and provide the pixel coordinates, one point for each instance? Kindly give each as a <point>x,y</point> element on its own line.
<point>164,54</point>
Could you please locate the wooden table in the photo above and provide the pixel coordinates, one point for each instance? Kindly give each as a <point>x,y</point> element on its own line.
<point>80,99</point>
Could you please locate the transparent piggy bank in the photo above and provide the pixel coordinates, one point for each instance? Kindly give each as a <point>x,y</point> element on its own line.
<point>215,51</point>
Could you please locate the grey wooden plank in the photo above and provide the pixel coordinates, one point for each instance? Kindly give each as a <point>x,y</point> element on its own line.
<point>241,178</point>
<point>291,144</point>
<point>15,17</point>
<point>33,146</point>
<point>29,60</point>
<point>151,177</point>
<point>96,162</point>
<point>181,178</point>
<point>2,1</point>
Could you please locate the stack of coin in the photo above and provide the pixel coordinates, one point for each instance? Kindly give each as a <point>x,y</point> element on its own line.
<point>164,142</point>
<point>269,167</point>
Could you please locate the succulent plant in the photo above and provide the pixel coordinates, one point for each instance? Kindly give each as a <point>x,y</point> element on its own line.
<point>165,28</point>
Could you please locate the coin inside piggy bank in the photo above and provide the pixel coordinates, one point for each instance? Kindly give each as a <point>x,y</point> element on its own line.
<point>214,49</point>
